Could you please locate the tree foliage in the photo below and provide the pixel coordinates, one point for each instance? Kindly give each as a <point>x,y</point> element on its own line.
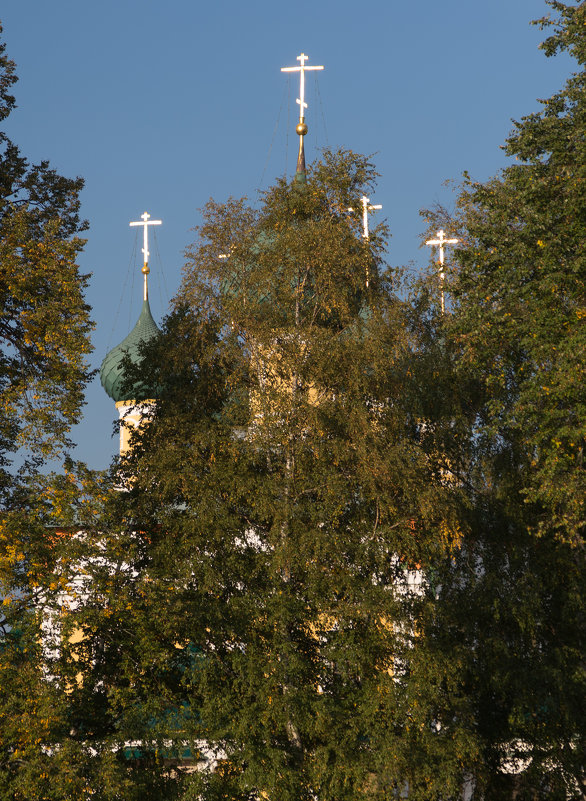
<point>276,510</point>
<point>344,557</point>
<point>519,293</point>
<point>44,340</point>
<point>513,597</point>
<point>351,543</point>
<point>44,321</point>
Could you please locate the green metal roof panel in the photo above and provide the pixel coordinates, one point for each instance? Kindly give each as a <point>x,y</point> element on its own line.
<point>111,372</point>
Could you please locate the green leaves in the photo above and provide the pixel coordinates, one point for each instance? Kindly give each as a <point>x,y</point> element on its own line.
<point>278,504</point>
<point>520,293</point>
<point>511,599</point>
<point>44,321</point>
<point>44,339</point>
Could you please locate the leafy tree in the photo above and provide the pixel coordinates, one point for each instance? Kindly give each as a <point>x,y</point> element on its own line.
<point>44,339</point>
<point>44,321</point>
<point>53,742</point>
<point>275,511</point>
<point>519,291</point>
<point>512,602</point>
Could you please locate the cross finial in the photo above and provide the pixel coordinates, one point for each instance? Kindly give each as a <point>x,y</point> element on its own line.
<point>302,58</point>
<point>146,221</point>
<point>442,242</point>
<point>301,127</point>
<point>366,207</point>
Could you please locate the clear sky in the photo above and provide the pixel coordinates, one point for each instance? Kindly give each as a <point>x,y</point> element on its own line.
<point>162,105</point>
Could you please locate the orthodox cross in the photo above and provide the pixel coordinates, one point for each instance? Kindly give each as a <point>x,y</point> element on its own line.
<point>366,207</point>
<point>442,241</point>
<point>301,70</point>
<point>146,221</point>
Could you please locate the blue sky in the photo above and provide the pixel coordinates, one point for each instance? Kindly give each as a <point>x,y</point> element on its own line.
<point>160,106</point>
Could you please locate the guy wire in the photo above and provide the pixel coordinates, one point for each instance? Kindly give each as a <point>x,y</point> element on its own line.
<point>131,304</point>
<point>164,301</point>
<point>321,108</point>
<point>123,292</point>
<point>273,138</point>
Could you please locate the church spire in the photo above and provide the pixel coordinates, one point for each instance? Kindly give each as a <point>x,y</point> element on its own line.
<point>301,129</point>
<point>133,397</point>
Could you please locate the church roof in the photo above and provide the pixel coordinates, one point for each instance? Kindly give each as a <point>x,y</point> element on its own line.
<point>112,373</point>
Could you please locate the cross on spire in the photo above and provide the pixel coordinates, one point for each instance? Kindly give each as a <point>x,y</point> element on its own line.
<point>301,127</point>
<point>442,242</point>
<point>366,207</point>
<point>146,221</point>
<point>301,70</point>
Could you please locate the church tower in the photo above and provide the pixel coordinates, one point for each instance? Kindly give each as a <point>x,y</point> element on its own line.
<point>133,401</point>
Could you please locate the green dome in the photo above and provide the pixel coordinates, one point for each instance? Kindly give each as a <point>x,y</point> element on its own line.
<point>111,374</point>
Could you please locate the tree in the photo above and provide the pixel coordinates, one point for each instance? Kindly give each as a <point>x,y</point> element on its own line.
<point>44,320</point>
<point>513,597</point>
<point>44,339</point>
<point>276,510</point>
<point>53,741</point>
<point>520,294</point>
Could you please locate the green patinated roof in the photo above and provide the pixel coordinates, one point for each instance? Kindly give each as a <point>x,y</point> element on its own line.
<point>111,371</point>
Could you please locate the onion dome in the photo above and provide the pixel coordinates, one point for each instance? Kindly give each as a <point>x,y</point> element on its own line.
<point>112,373</point>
